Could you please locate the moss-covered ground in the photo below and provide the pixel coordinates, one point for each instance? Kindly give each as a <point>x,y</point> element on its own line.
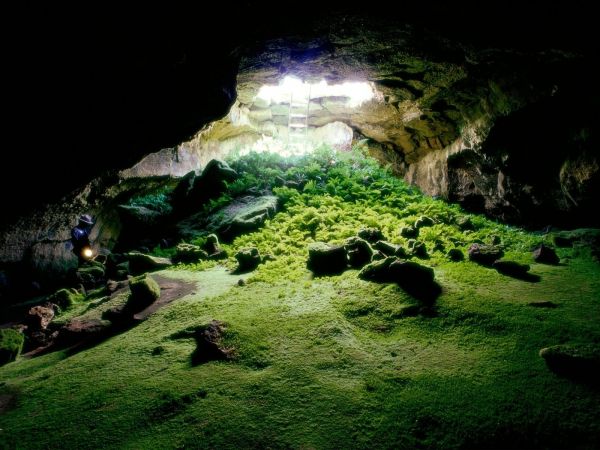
<point>332,362</point>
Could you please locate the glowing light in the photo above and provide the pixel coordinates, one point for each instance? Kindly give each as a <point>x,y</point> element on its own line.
<point>356,92</point>
<point>87,252</point>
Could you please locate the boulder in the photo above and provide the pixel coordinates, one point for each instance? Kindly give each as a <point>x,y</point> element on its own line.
<point>389,249</point>
<point>209,342</point>
<point>545,255</point>
<point>418,249</point>
<point>423,221</point>
<point>410,273</point>
<point>485,254</point>
<point>140,262</point>
<point>325,259</point>
<point>511,268</point>
<point>455,254</point>
<point>213,248</point>
<point>242,215</point>
<point>409,232</point>
<point>248,259</point>
<point>189,253</point>
<point>371,235</point>
<point>11,344</point>
<point>181,192</point>
<point>378,271</point>
<point>39,317</point>
<point>144,292</point>
<point>211,183</point>
<point>580,361</point>
<point>90,274</point>
<point>65,298</point>
<point>359,252</point>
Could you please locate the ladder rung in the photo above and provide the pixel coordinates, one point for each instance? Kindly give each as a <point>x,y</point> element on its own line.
<point>304,105</point>
<point>297,115</point>
<point>297,125</point>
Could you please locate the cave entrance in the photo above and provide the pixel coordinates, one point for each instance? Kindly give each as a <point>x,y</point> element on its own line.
<point>301,115</point>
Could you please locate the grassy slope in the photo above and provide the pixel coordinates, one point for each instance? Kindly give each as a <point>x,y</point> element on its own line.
<point>330,362</point>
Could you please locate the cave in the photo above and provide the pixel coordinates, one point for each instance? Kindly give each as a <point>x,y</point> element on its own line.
<point>348,227</point>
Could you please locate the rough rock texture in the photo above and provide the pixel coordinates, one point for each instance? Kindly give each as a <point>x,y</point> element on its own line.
<point>209,342</point>
<point>241,215</point>
<point>458,121</point>
<point>359,252</point>
<point>545,255</point>
<point>39,317</point>
<point>144,292</point>
<point>139,262</point>
<point>248,259</point>
<point>485,254</point>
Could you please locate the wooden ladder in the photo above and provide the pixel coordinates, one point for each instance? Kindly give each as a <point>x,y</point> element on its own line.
<point>298,120</point>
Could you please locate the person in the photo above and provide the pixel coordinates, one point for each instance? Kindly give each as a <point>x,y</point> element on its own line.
<point>80,238</point>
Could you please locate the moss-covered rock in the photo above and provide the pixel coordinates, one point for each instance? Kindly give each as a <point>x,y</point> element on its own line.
<point>65,298</point>
<point>144,292</point>
<point>325,259</point>
<point>464,223</point>
<point>423,221</point>
<point>409,232</point>
<point>418,249</point>
<point>140,262</point>
<point>11,344</point>
<point>371,235</point>
<point>248,259</point>
<point>378,271</point>
<point>359,252</point>
<point>485,255</point>
<point>188,253</point>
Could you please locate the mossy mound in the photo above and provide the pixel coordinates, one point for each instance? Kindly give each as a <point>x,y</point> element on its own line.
<point>144,292</point>
<point>66,298</point>
<point>11,344</point>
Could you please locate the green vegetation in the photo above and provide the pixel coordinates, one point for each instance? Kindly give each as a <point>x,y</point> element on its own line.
<point>11,344</point>
<point>335,361</point>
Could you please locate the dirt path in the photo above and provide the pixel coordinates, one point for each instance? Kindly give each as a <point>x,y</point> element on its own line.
<point>171,289</point>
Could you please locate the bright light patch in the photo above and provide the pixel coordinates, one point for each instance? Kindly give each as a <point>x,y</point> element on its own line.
<point>87,252</point>
<point>357,92</point>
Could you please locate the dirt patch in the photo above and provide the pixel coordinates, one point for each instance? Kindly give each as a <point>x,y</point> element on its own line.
<point>170,290</point>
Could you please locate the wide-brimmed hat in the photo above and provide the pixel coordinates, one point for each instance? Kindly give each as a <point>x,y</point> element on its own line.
<point>87,219</point>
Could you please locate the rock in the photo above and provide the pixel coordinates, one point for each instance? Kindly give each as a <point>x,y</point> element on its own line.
<point>545,255</point>
<point>543,304</point>
<point>409,232</point>
<point>140,262</point>
<point>378,271</point>
<point>189,253</point>
<point>248,259</point>
<point>242,215</point>
<point>79,331</point>
<point>211,245</point>
<point>411,274</point>
<point>371,235</point>
<point>579,361</point>
<point>268,257</point>
<point>423,221</point>
<point>511,268</point>
<point>135,216</point>
<point>39,317</point>
<point>209,343</point>
<point>65,298</point>
<point>389,249</point>
<point>11,344</point>
<point>485,254</point>
<point>112,286</point>
<point>418,249</point>
<point>241,282</point>
<point>455,254</point>
<point>144,292</point>
<point>464,223</point>
<point>211,183</point>
<point>90,274</point>
<point>325,259</point>
<point>359,252</point>
<point>495,240</point>
<point>439,246</point>
<point>181,192</point>
<point>378,256</point>
<point>562,241</point>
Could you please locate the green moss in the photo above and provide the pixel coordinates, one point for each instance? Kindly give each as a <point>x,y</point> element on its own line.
<point>383,371</point>
<point>66,298</point>
<point>144,291</point>
<point>11,344</point>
